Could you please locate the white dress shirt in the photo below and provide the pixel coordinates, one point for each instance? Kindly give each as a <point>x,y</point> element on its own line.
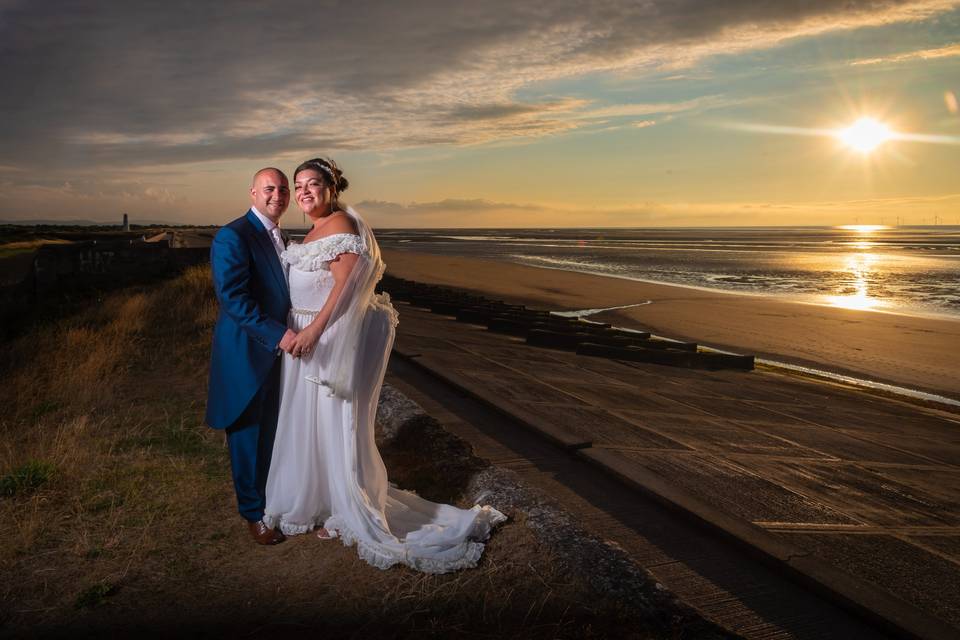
<point>272,230</point>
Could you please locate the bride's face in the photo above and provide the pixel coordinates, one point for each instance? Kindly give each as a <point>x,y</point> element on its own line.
<point>311,192</point>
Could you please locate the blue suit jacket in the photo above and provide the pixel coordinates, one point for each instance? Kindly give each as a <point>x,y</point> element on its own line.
<point>254,301</point>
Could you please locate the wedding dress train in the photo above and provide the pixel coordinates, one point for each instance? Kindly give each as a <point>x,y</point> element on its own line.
<point>326,468</point>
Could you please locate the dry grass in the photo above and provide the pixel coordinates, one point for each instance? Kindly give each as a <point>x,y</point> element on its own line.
<point>108,400</point>
<point>8,249</point>
<point>122,513</point>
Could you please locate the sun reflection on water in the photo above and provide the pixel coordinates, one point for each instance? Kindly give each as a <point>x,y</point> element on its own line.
<point>863,228</point>
<point>859,267</point>
<point>862,239</point>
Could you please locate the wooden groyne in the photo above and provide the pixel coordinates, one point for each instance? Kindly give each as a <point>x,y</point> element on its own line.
<point>544,329</point>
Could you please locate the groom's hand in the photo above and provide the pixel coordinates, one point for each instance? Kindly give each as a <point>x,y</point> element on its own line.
<point>286,342</point>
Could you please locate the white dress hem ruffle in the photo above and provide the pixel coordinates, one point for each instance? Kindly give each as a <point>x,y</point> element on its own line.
<point>325,465</point>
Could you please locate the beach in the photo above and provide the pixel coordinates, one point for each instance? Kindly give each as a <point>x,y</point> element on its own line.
<point>911,351</point>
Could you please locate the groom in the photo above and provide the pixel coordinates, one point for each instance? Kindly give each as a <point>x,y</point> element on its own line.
<point>251,331</point>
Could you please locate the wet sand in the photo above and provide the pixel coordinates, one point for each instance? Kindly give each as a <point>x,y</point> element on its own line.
<point>915,352</point>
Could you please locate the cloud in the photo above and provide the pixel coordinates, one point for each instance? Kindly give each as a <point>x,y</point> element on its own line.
<point>449,204</point>
<point>162,195</point>
<point>487,214</point>
<point>452,212</point>
<point>39,196</point>
<point>143,83</point>
<point>637,110</point>
<point>948,51</point>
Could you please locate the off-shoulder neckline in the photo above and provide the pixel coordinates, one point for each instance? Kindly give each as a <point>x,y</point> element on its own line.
<point>322,238</point>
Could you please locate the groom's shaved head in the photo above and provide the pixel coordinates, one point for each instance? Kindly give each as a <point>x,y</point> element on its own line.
<point>265,171</point>
<point>270,193</point>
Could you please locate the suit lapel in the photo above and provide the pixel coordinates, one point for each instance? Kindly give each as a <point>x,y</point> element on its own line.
<point>266,246</point>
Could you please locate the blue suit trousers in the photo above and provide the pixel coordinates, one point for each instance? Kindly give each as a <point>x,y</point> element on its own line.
<point>250,440</point>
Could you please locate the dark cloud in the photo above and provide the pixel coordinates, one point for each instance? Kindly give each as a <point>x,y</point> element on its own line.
<point>492,111</point>
<point>448,204</point>
<point>215,148</point>
<point>449,212</point>
<point>146,83</point>
<point>477,213</point>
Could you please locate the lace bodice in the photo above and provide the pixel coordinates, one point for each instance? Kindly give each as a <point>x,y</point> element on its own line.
<point>316,255</point>
<point>309,273</point>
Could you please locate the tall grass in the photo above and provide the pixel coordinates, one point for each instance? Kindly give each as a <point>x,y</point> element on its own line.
<point>108,403</point>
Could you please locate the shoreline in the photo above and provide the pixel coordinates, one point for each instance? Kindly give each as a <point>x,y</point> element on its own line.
<point>888,348</point>
<point>883,387</point>
<point>779,297</point>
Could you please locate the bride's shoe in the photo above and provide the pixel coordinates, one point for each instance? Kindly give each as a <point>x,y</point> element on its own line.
<point>323,534</point>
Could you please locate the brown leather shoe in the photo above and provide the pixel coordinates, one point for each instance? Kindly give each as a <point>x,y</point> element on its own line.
<point>265,535</point>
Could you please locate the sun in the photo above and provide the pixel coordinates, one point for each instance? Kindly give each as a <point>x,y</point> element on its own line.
<point>865,135</point>
<point>863,228</point>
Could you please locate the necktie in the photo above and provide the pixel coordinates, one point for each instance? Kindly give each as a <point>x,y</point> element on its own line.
<point>277,240</point>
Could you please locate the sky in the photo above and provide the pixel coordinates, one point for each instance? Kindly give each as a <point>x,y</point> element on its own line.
<point>500,113</point>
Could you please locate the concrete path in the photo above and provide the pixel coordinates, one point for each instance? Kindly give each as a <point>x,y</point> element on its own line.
<point>854,495</point>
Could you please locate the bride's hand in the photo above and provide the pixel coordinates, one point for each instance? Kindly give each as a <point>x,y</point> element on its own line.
<point>305,341</point>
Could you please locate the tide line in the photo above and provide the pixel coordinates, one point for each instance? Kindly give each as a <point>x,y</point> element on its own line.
<point>860,382</point>
<point>583,313</point>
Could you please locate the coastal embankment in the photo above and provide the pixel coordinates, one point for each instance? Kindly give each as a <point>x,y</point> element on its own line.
<point>910,351</point>
<point>849,492</point>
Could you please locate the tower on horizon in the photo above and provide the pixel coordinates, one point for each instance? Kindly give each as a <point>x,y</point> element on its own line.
<point>126,223</point>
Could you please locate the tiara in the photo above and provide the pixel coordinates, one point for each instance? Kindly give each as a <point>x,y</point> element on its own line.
<point>322,167</point>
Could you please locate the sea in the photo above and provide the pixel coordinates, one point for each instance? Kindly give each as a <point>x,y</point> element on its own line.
<point>910,270</point>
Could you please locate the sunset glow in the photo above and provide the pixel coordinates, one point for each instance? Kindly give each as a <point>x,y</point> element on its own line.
<point>865,135</point>
<point>863,228</point>
<point>624,114</point>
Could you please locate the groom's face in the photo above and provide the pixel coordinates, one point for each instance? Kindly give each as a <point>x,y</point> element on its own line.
<point>270,194</point>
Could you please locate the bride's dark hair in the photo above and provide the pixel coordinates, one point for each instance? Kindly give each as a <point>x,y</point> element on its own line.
<point>332,174</point>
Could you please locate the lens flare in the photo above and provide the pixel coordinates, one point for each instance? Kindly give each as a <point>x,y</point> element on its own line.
<point>865,135</point>
<point>950,98</point>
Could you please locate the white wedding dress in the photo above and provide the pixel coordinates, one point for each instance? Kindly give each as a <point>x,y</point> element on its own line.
<point>326,469</point>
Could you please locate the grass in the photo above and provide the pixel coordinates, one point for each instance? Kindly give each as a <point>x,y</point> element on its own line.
<point>121,517</point>
<point>29,476</point>
<point>8,249</point>
<point>95,595</point>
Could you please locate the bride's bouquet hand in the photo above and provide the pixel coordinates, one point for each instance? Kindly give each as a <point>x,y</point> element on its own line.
<point>305,341</point>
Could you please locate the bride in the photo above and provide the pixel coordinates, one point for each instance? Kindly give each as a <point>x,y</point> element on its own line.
<point>326,470</point>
